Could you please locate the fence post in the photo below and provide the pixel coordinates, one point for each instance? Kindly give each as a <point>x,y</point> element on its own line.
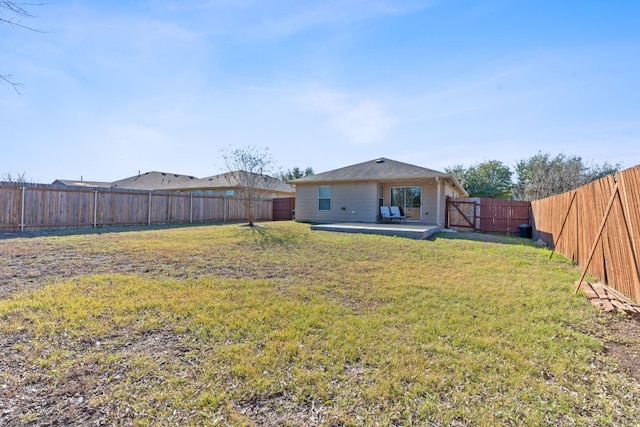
<point>477,214</point>
<point>149,215</point>
<point>169,208</point>
<point>446,211</point>
<point>24,190</point>
<point>190,208</point>
<point>95,209</point>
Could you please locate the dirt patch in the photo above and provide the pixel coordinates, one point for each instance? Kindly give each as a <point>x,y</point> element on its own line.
<point>31,394</point>
<point>30,263</point>
<point>624,343</point>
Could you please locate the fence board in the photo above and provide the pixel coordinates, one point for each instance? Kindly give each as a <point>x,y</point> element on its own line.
<point>48,207</point>
<point>10,207</point>
<point>487,215</point>
<point>283,208</point>
<point>615,251</point>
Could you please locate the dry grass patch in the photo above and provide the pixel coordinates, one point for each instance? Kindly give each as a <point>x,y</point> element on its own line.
<point>227,325</point>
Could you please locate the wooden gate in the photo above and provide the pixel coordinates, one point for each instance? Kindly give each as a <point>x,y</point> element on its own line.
<point>283,208</point>
<point>487,215</point>
<point>462,214</point>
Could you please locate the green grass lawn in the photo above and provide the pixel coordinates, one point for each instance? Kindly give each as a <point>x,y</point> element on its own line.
<point>228,325</point>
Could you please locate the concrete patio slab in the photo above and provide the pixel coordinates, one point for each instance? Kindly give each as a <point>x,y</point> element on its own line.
<point>411,231</point>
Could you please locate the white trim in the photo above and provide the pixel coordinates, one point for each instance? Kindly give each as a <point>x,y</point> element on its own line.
<point>438,193</point>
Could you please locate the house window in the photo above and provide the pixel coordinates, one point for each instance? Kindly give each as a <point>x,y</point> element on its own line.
<point>409,199</point>
<point>324,198</point>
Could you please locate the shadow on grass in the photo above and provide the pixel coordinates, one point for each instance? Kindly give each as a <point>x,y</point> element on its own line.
<point>105,229</point>
<point>482,237</point>
<point>266,236</point>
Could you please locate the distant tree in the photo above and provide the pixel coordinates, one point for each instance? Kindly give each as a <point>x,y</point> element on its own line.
<point>595,172</point>
<point>296,173</point>
<point>488,179</point>
<point>458,172</point>
<point>12,13</point>
<point>542,176</point>
<point>249,171</point>
<point>9,177</point>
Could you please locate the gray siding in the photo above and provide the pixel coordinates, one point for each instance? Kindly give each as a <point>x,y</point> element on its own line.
<point>359,201</point>
<point>430,203</point>
<point>428,210</point>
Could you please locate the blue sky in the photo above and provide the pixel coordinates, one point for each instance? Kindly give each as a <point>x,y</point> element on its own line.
<point>111,88</point>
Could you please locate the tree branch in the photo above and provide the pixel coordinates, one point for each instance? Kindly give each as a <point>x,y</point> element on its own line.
<point>10,14</point>
<point>18,11</point>
<point>16,86</point>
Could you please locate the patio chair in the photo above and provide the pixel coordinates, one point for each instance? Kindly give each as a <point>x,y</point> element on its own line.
<point>396,214</point>
<point>385,214</point>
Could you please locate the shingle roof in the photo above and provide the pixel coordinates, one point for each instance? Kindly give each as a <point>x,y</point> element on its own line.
<point>378,169</point>
<point>76,183</point>
<point>228,180</point>
<point>153,181</point>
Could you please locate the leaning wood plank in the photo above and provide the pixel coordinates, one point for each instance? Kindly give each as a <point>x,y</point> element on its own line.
<point>564,221</point>
<point>625,300</point>
<point>600,291</point>
<point>609,299</point>
<point>591,294</point>
<point>607,306</point>
<point>598,235</point>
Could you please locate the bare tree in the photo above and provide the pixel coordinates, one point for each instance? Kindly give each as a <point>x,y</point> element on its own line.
<point>9,177</point>
<point>12,13</point>
<point>542,176</point>
<point>249,172</point>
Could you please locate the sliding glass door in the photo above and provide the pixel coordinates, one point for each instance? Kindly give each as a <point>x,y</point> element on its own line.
<point>410,201</point>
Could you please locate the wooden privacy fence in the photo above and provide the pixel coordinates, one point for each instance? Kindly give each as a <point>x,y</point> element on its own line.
<point>283,208</point>
<point>26,207</point>
<point>487,215</point>
<point>598,227</point>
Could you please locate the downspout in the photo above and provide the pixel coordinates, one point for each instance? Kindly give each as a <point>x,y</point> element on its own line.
<point>439,191</point>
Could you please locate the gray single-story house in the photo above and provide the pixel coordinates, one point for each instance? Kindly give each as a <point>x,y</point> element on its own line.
<point>231,184</point>
<point>355,193</point>
<point>223,184</point>
<point>153,181</point>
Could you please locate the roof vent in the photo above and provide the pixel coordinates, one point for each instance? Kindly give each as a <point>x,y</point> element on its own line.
<point>380,161</point>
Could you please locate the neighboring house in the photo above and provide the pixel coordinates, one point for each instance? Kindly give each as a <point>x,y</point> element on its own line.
<point>227,184</point>
<point>151,181</point>
<point>355,193</point>
<point>224,184</point>
<point>70,183</point>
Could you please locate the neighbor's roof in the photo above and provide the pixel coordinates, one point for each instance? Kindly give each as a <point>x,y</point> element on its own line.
<point>80,183</point>
<point>376,170</point>
<point>153,181</point>
<point>229,180</point>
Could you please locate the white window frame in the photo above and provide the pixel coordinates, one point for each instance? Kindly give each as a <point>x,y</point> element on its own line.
<point>322,197</point>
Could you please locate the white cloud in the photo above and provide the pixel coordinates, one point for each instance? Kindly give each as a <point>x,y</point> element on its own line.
<point>284,18</point>
<point>359,120</point>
